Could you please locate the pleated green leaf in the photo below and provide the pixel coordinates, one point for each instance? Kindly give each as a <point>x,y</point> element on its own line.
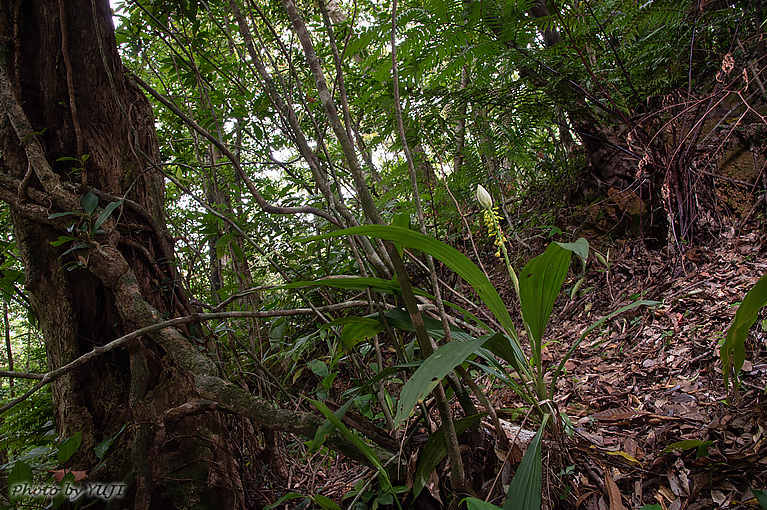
<point>503,347</point>
<point>20,474</point>
<point>525,489</point>
<point>359,329</point>
<point>451,257</point>
<point>761,497</point>
<point>478,504</point>
<point>325,502</point>
<point>733,350</point>
<point>398,318</point>
<point>540,282</point>
<point>431,372</point>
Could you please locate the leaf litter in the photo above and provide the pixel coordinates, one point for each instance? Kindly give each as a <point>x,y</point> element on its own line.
<point>652,420</point>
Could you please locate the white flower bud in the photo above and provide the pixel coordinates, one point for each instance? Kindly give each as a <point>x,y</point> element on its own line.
<point>484,198</point>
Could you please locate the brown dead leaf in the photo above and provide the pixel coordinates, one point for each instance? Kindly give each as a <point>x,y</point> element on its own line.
<point>618,414</point>
<point>613,493</point>
<point>432,485</point>
<point>666,493</point>
<point>583,498</point>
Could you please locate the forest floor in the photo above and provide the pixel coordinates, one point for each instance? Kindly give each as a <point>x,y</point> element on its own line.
<point>653,422</point>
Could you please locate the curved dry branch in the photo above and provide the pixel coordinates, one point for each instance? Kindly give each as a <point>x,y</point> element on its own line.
<point>51,376</point>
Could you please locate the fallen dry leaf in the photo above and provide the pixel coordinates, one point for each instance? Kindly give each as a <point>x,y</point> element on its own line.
<point>613,493</point>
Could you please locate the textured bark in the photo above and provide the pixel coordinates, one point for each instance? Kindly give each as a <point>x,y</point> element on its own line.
<point>60,62</point>
<point>180,414</point>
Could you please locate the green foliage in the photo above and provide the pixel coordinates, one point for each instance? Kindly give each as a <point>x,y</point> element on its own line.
<point>478,504</point>
<point>20,474</point>
<point>361,446</point>
<point>451,257</point>
<point>540,283</point>
<point>435,450</point>
<point>733,346</point>
<point>431,372</point>
<point>525,488</point>
<point>689,444</point>
<point>613,61</point>
<point>68,447</point>
<point>761,497</point>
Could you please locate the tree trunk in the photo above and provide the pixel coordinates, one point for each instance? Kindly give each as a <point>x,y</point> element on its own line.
<point>62,77</point>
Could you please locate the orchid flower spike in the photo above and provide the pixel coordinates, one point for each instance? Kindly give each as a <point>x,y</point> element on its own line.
<point>483,197</point>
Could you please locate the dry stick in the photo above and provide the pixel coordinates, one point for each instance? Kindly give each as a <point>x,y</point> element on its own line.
<point>460,130</point>
<point>21,375</point>
<point>339,69</point>
<point>109,265</point>
<point>618,59</point>
<point>430,260</point>
<point>102,349</point>
<point>299,93</point>
<point>347,147</point>
<point>753,70</point>
<point>458,207</point>
<point>457,474</point>
<point>249,239</point>
<point>511,443</point>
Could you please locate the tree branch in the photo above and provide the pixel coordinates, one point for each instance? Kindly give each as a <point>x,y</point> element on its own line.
<point>34,151</point>
<point>260,200</point>
<point>21,375</point>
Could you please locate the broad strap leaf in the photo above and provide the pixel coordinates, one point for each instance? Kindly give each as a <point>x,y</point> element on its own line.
<point>539,284</point>
<point>733,349</point>
<point>431,372</point>
<point>525,488</point>
<point>451,257</point>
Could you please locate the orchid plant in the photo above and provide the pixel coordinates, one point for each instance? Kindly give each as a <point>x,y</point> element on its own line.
<point>540,283</point>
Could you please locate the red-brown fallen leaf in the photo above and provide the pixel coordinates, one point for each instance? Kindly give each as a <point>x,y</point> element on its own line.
<point>583,498</point>
<point>613,493</point>
<point>59,475</point>
<point>618,414</point>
